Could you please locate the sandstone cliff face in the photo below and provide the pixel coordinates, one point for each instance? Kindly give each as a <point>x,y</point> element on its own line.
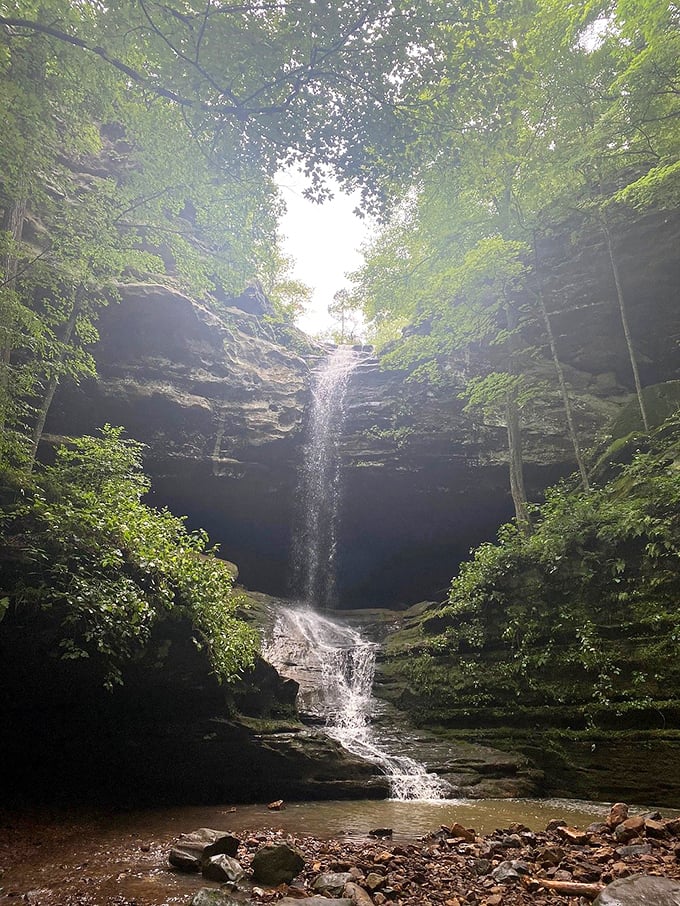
<point>222,402</point>
<point>220,405</point>
<point>192,383</point>
<point>425,481</point>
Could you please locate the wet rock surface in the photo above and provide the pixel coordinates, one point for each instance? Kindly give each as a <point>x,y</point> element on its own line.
<point>640,890</point>
<point>467,769</point>
<point>164,735</point>
<point>194,850</point>
<point>277,864</point>
<point>223,869</point>
<point>209,896</point>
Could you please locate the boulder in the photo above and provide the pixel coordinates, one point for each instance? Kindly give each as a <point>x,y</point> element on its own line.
<point>655,828</point>
<point>640,890</point>
<point>273,865</point>
<point>550,856</point>
<point>357,894</point>
<point>332,883</point>
<point>574,835</point>
<point>617,814</point>
<point>629,829</point>
<point>462,833</point>
<point>504,872</point>
<point>635,849</point>
<point>208,896</point>
<point>223,868</point>
<point>374,880</point>
<point>192,850</point>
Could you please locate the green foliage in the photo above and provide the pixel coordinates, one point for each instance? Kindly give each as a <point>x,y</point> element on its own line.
<point>143,140</point>
<point>98,222</point>
<point>660,187</point>
<point>545,110</point>
<point>320,84</point>
<point>581,614</point>
<point>344,310</point>
<point>546,113</point>
<point>491,391</point>
<point>85,550</point>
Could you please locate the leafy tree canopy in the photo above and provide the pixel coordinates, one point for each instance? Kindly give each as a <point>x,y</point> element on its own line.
<point>264,81</point>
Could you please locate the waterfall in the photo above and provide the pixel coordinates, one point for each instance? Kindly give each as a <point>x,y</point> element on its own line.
<point>318,500</point>
<point>332,663</point>
<point>335,666</point>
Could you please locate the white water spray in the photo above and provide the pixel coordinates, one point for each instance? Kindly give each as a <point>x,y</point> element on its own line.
<point>315,540</point>
<point>338,666</point>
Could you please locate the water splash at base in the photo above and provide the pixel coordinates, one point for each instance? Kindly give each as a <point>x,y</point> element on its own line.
<point>340,665</point>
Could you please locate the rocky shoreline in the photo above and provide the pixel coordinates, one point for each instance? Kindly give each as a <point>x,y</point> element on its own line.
<point>620,861</point>
<point>616,862</point>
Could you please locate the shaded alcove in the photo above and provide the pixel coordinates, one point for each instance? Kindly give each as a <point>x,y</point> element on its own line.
<point>400,540</point>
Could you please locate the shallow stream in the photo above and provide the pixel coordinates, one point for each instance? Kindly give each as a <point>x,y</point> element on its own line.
<point>102,859</point>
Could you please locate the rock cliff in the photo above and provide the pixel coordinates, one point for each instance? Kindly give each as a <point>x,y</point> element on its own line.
<point>219,403</point>
<point>220,397</point>
<point>170,733</point>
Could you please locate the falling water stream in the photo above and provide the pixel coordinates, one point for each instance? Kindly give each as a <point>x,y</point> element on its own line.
<point>343,661</point>
<point>339,666</point>
<point>315,537</point>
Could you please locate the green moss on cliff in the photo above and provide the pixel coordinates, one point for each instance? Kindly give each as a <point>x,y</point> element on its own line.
<point>574,626</point>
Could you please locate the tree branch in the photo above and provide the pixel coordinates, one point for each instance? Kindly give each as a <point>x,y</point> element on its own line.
<point>188,60</point>
<point>24,268</point>
<point>133,74</point>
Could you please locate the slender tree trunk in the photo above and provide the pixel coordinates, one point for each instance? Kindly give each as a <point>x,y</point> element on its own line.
<point>53,381</point>
<point>13,223</point>
<point>514,423</point>
<point>624,320</point>
<point>517,489</point>
<point>571,427</point>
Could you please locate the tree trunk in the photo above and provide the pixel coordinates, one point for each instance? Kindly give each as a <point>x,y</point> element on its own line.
<point>53,381</point>
<point>571,427</point>
<point>13,223</point>
<point>624,320</point>
<point>517,489</point>
<point>516,461</point>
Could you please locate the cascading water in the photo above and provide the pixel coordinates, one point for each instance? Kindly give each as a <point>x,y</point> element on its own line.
<point>315,539</point>
<point>336,684</point>
<point>333,664</point>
